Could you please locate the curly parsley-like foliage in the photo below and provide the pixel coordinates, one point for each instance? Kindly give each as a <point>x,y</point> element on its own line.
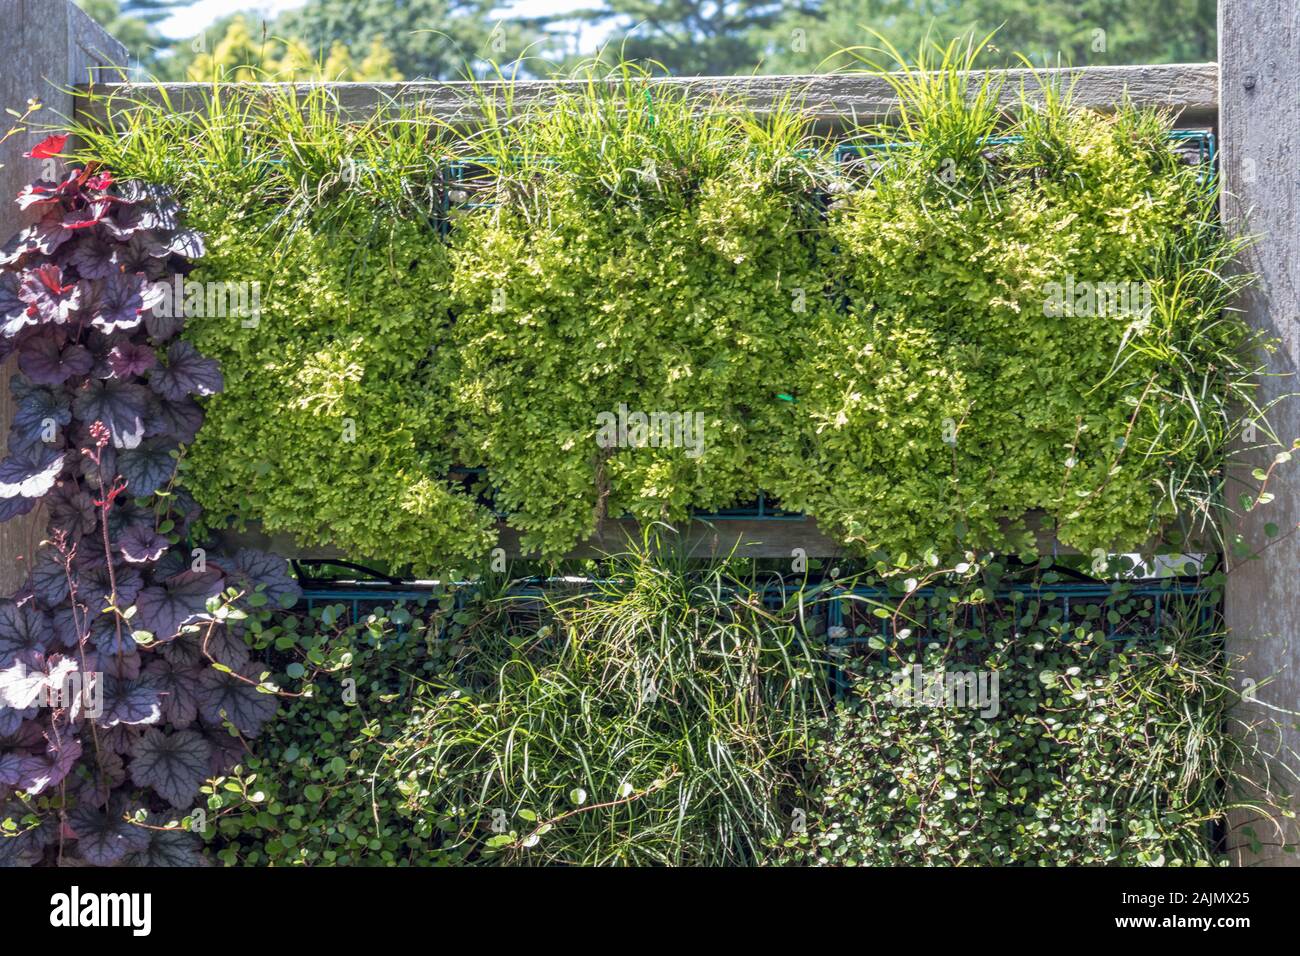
<point>124,681</point>
<point>331,426</point>
<point>955,396</point>
<point>883,345</point>
<point>599,304</point>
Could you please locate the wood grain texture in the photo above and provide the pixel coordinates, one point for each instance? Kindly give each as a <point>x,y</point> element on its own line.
<point>704,538</point>
<point>49,46</point>
<point>1188,89</point>
<point>1259,50</point>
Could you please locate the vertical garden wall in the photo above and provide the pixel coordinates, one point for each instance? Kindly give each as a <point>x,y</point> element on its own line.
<point>970,339</point>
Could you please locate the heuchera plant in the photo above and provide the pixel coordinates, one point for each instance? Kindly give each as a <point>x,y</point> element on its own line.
<point>124,678</point>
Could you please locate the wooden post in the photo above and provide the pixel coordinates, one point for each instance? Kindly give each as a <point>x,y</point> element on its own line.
<point>1259,124</point>
<point>49,45</point>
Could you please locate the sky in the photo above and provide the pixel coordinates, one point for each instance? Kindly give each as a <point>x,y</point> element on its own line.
<point>188,21</point>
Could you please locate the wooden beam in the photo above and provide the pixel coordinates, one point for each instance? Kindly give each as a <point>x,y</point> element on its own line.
<point>1259,51</point>
<point>703,537</point>
<point>50,45</point>
<point>1190,90</point>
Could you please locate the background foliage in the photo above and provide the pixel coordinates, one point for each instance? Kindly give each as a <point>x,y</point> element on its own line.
<point>435,39</point>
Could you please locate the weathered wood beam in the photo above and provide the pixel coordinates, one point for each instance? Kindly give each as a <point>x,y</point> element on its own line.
<point>1259,49</point>
<point>702,538</point>
<point>1191,90</point>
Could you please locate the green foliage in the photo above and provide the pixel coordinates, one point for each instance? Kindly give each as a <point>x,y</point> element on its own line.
<point>658,719</point>
<point>307,795</point>
<point>329,425</point>
<point>901,366</point>
<point>635,256</point>
<point>810,37</point>
<point>1109,742</point>
<point>956,394</point>
<point>334,426</point>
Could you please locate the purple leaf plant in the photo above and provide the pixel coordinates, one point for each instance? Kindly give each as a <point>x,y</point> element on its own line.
<point>122,682</point>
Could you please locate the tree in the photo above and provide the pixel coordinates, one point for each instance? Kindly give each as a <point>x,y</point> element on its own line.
<point>1048,32</point>
<point>134,24</point>
<point>427,39</point>
<point>242,55</point>
<point>693,37</point>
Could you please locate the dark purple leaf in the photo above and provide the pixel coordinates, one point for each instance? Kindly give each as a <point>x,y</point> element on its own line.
<point>118,652</point>
<point>187,373</point>
<point>178,684</point>
<point>178,420</point>
<point>121,406</point>
<point>256,570</point>
<point>72,510</point>
<point>45,192</point>
<point>119,739</point>
<point>143,254</point>
<point>104,838</point>
<point>147,467</point>
<point>225,696</point>
<point>93,257</point>
<point>41,412</point>
<point>118,302</point>
<point>95,587</point>
<point>162,328</point>
<point>132,702</point>
<point>48,295</point>
<point>45,363</point>
<point>126,516</point>
<point>30,473</point>
<point>127,220</point>
<point>174,562</point>
<point>11,508</point>
<point>68,626</point>
<point>13,310</point>
<point>168,847</point>
<point>224,647</point>
<point>129,359</point>
<point>44,237</point>
<point>11,719</point>
<point>173,765</point>
<point>163,611</point>
<point>185,242</point>
<point>55,765</point>
<point>18,768</point>
<point>48,578</point>
<point>89,215</point>
<point>141,545</point>
<point>23,628</point>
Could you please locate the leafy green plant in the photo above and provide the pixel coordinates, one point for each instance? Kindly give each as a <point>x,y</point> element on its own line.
<point>992,320</point>
<point>660,719</point>
<point>1112,737</point>
<point>335,425</point>
<point>311,793</point>
<point>1035,324</point>
<point>630,250</point>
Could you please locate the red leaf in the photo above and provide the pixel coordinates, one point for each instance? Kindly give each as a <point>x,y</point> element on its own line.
<point>49,146</point>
